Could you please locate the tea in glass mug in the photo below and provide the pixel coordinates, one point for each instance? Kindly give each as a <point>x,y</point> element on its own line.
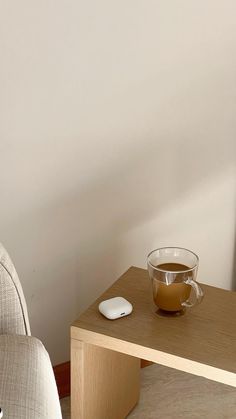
<point>173,272</point>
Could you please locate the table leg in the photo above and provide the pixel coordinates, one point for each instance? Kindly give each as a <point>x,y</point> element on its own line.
<point>104,383</point>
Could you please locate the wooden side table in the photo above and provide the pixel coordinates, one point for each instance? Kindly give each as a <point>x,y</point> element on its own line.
<point>105,354</point>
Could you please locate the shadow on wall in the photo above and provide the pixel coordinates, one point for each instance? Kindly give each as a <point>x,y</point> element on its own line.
<point>117,136</point>
<point>75,248</point>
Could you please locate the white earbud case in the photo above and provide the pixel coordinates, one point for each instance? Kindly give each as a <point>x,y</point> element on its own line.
<point>115,307</point>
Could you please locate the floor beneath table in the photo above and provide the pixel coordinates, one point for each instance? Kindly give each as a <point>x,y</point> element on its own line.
<point>168,394</point>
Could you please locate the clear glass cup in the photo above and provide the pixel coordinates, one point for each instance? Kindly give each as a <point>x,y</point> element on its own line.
<point>173,272</point>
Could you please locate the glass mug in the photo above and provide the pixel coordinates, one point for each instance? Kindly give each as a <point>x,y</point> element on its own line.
<point>173,272</point>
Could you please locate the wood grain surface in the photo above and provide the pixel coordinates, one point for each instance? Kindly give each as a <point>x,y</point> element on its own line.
<point>105,384</point>
<point>202,341</point>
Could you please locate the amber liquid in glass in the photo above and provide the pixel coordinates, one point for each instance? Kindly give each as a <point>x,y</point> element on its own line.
<point>170,297</point>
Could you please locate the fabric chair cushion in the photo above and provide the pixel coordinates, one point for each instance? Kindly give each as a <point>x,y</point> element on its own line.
<point>27,384</point>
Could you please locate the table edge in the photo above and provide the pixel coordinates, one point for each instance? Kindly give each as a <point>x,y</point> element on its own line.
<point>154,355</point>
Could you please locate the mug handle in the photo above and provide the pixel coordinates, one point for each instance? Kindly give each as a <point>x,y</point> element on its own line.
<point>198,292</point>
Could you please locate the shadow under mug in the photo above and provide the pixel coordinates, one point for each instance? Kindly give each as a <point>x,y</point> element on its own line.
<point>173,272</point>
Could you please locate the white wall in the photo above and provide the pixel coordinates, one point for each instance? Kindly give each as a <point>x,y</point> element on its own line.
<point>117,136</point>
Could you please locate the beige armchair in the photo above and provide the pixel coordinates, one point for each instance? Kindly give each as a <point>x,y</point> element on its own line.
<point>27,384</point>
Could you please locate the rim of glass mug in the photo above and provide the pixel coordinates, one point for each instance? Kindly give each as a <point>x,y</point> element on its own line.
<point>173,247</point>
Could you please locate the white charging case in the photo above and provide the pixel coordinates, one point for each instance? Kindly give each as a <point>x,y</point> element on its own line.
<point>115,307</point>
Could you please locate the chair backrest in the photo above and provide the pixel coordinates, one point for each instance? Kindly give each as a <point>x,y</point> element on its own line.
<point>13,310</point>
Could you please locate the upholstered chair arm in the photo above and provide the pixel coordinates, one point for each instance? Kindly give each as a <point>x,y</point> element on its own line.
<point>27,383</point>
<point>13,311</point>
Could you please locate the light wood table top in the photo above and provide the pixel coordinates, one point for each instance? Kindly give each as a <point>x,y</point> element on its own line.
<point>201,342</point>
